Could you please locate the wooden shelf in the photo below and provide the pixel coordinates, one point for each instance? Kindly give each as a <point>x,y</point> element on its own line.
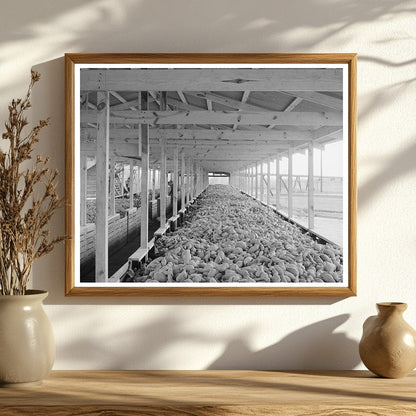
<point>203,393</point>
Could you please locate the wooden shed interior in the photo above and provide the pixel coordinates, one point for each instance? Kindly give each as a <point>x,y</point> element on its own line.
<point>178,125</point>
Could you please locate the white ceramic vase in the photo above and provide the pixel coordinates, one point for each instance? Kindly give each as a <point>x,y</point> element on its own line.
<point>27,347</point>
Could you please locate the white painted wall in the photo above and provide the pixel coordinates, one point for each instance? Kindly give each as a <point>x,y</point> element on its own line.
<point>197,333</point>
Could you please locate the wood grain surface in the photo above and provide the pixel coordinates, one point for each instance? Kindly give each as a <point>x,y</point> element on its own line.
<point>204,393</point>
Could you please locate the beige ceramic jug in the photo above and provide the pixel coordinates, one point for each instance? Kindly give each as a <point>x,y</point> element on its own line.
<point>388,344</point>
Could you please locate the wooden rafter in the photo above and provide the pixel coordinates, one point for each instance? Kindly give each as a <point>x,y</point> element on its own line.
<point>244,98</point>
<point>226,101</point>
<point>182,97</point>
<point>317,98</point>
<point>293,104</point>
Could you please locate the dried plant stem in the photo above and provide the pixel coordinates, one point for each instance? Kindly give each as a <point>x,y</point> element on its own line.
<point>23,217</point>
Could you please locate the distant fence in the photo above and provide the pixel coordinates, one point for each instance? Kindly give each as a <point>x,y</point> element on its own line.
<point>327,184</point>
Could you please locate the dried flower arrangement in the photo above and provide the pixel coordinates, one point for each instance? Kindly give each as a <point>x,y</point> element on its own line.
<point>28,199</point>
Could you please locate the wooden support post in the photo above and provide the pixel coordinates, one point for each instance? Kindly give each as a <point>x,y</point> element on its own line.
<point>153,183</point>
<point>84,174</point>
<point>139,179</point>
<point>290,184</point>
<point>247,171</point>
<point>101,225</point>
<point>163,172</point>
<point>253,181</point>
<point>199,186</point>
<point>131,183</point>
<point>163,184</point>
<point>188,182</point>
<point>196,180</point>
<point>311,209</point>
<point>144,220</point>
<point>168,177</point>
<point>123,179</point>
<point>192,180</point>
<point>268,183</point>
<point>183,188</point>
<point>83,196</point>
<point>241,179</point>
<point>277,182</point>
<point>199,180</point>
<point>139,108</point>
<point>112,207</point>
<point>250,176</point>
<point>175,181</point>
<point>261,181</point>
<point>257,180</point>
<point>191,172</point>
<point>248,180</point>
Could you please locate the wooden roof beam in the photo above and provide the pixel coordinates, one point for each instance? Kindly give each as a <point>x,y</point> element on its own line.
<point>124,134</point>
<point>126,150</point>
<point>213,79</point>
<point>220,117</point>
<point>215,146</point>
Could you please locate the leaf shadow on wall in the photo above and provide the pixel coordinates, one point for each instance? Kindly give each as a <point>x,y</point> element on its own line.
<point>132,25</point>
<point>394,168</point>
<point>152,345</point>
<point>139,344</point>
<point>313,347</point>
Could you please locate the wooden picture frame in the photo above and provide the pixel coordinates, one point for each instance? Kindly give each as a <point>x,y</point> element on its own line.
<point>124,110</point>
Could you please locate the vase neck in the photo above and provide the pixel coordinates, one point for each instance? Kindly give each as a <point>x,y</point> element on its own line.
<point>391,308</point>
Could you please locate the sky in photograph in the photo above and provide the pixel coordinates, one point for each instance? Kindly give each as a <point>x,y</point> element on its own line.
<point>332,163</point>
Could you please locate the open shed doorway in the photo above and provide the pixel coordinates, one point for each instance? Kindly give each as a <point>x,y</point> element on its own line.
<point>218,178</point>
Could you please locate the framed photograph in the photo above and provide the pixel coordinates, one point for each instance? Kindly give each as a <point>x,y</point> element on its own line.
<point>211,174</point>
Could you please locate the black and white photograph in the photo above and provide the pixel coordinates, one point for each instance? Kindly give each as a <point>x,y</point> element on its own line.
<point>210,175</point>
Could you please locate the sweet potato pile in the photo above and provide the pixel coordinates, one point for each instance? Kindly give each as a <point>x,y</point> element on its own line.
<point>228,237</point>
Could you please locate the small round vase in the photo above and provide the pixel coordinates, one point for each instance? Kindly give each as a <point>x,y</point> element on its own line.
<point>388,345</point>
<point>27,347</point>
